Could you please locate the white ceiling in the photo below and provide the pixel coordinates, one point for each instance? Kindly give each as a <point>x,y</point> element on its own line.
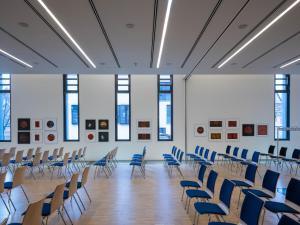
<point>46,47</point>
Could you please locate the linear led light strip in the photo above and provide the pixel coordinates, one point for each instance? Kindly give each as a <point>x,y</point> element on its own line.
<point>164,32</point>
<point>290,63</point>
<point>15,58</point>
<point>66,32</point>
<point>260,32</point>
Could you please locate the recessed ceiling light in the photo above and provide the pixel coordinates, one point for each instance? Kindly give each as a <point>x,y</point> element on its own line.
<point>15,58</point>
<point>290,63</point>
<point>23,24</point>
<point>260,32</point>
<point>130,25</point>
<point>66,32</point>
<point>164,32</point>
<point>242,26</point>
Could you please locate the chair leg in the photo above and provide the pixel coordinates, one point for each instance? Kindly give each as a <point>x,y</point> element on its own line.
<point>132,171</point>
<point>24,193</point>
<point>238,203</point>
<point>5,204</point>
<point>80,201</point>
<point>10,200</point>
<point>77,204</point>
<point>61,216</point>
<point>67,214</point>
<point>182,193</point>
<point>87,194</point>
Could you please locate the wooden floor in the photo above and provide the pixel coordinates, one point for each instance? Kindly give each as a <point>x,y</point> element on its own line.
<point>120,200</point>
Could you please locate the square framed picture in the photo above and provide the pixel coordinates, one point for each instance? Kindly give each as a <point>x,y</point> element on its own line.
<point>50,124</point>
<point>232,123</point>
<point>103,136</point>
<point>23,137</point>
<point>90,124</point>
<point>90,136</point>
<point>50,137</point>
<point>216,124</point>
<point>200,130</point>
<point>37,124</point>
<point>143,124</point>
<point>262,130</point>
<point>103,124</point>
<point>232,135</point>
<point>144,136</point>
<point>37,137</point>
<point>23,124</point>
<point>215,136</point>
<point>248,130</point>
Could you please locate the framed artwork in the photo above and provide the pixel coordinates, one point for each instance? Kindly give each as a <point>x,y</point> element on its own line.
<point>103,137</point>
<point>216,136</point>
<point>248,130</point>
<point>216,124</point>
<point>37,137</point>
<point>232,136</point>
<point>262,130</point>
<point>200,130</point>
<point>143,124</point>
<point>90,136</point>
<point>144,136</point>
<point>232,123</point>
<point>103,124</point>
<point>50,124</point>
<point>23,124</point>
<point>90,124</point>
<point>24,137</point>
<point>36,124</point>
<point>50,137</point>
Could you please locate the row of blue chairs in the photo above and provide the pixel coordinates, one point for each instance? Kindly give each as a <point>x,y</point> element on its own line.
<point>201,157</point>
<point>106,164</point>
<point>139,161</point>
<point>173,160</point>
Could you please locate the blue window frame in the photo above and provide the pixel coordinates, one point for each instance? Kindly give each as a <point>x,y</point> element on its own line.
<point>282,106</point>
<point>165,107</point>
<point>122,108</point>
<point>5,111</point>
<point>71,107</point>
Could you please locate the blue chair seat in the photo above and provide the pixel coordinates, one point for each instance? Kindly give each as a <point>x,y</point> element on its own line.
<point>277,207</point>
<point>227,156</point>
<point>15,224</point>
<point>24,157</point>
<point>245,163</point>
<point>208,208</point>
<point>135,163</point>
<point>100,163</point>
<point>46,211</point>
<point>66,195</point>
<point>8,185</point>
<point>256,192</point>
<point>240,183</point>
<point>189,183</point>
<point>205,163</point>
<point>174,163</point>
<point>76,157</point>
<point>220,223</point>
<point>137,155</point>
<point>50,158</point>
<point>30,164</point>
<point>197,194</point>
<point>12,161</point>
<point>58,164</point>
<point>79,185</point>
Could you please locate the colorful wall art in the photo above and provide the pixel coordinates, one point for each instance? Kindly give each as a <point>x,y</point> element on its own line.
<point>216,123</point>
<point>50,137</point>
<point>200,130</point>
<point>23,124</point>
<point>91,136</point>
<point>50,124</point>
<point>232,136</point>
<point>90,124</point>
<point>232,123</point>
<point>216,136</point>
<point>144,124</point>
<point>248,130</point>
<point>37,124</point>
<point>37,137</point>
<point>144,136</point>
<point>262,130</point>
<point>103,124</point>
<point>24,137</point>
<point>103,137</point>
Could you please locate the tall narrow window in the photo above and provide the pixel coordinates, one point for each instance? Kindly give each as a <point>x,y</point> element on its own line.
<point>282,105</point>
<point>165,107</point>
<point>71,107</point>
<point>122,108</point>
<point>5,134</point>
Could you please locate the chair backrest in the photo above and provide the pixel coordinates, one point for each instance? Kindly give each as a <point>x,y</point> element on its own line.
<point>66,158</point>
<point>57,201</point>
<point>286,220</point>
<point>251,209</point>
<point>38,150</point>
<point>250,173</point>
<point>282,151</point>
<point>178,153</point>
<point>201,173</point>
<point>4,222</point>
<point>84,151</point>
<point>29,154</point>
<point>61,152</point>
<point>85,175</point>
<point>201,151</point>
<point>271,149</point>
<point>55,154</point>
<point>211,181</point>
<point>213,156</point>
<point>12,151</point>
<point>2,179</point>
<point>173,151</point>
<point>33,215</point>
<point>19,156</point>
<point>73,155</point>
<point>73,184</point>
<point>5,159</point>
<point>18,178</point>
<point>270,181</point>
<point>255,157</point>
<point>293,191</point>
<point>79,153</point>
<point>296,154</point>
<point>196,149</point>
<point>226,193</point>
<point>235,151</point>
<point>37,159</point>
<point>206,153</point>
<point>180,156</point>
<point>45,156</point>
<point>244,153</point>
<point>227,151</point>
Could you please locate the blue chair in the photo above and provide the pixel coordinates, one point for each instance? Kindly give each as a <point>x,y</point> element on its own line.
<point>209,162</point>
<point>250,211</point>
<point>292,200</point>
<point>218,209</point>
<point>176,163</point>
<point>139,156</point>
<point>202,194</point>
<point>224,155</point>
<point>138,160</point>
<point>254,161</point>
<point>60,165</point>
<point>243,158</point>
<point>234,156</point>
<point>193,184</point>
<point>173,151</point>
<point>171,157</point>
<point>286,220</point>
<point>191,155</point>
<point>294,160</point>
<point>102,166</point>
<point>249,180</point>
<point>198,157</point>
<point>204,158</point>
<point>269,154</point>
<point>269,185</point>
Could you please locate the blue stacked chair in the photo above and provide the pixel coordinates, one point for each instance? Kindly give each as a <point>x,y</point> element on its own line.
<point>243,158</point>
<point>234,156</point>
<point>175,163</point>
<point>286,220</point>
<point>173,152</point>
<point>139,161</point>
<point>254,161</point>
<point>209,162</point>
<point>200,158</point>
<point>190,156</point>
<point>294,160</point>
<point>225,155</point>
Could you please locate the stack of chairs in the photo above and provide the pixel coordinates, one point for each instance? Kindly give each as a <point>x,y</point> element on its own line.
<point>173,160</point>
<point>139,161</point>
<point>106,164</point>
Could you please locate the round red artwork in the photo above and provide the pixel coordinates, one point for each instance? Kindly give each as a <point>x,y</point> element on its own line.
<point>90,136</point>
<point>51,137</point>
<point>200,130</point>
